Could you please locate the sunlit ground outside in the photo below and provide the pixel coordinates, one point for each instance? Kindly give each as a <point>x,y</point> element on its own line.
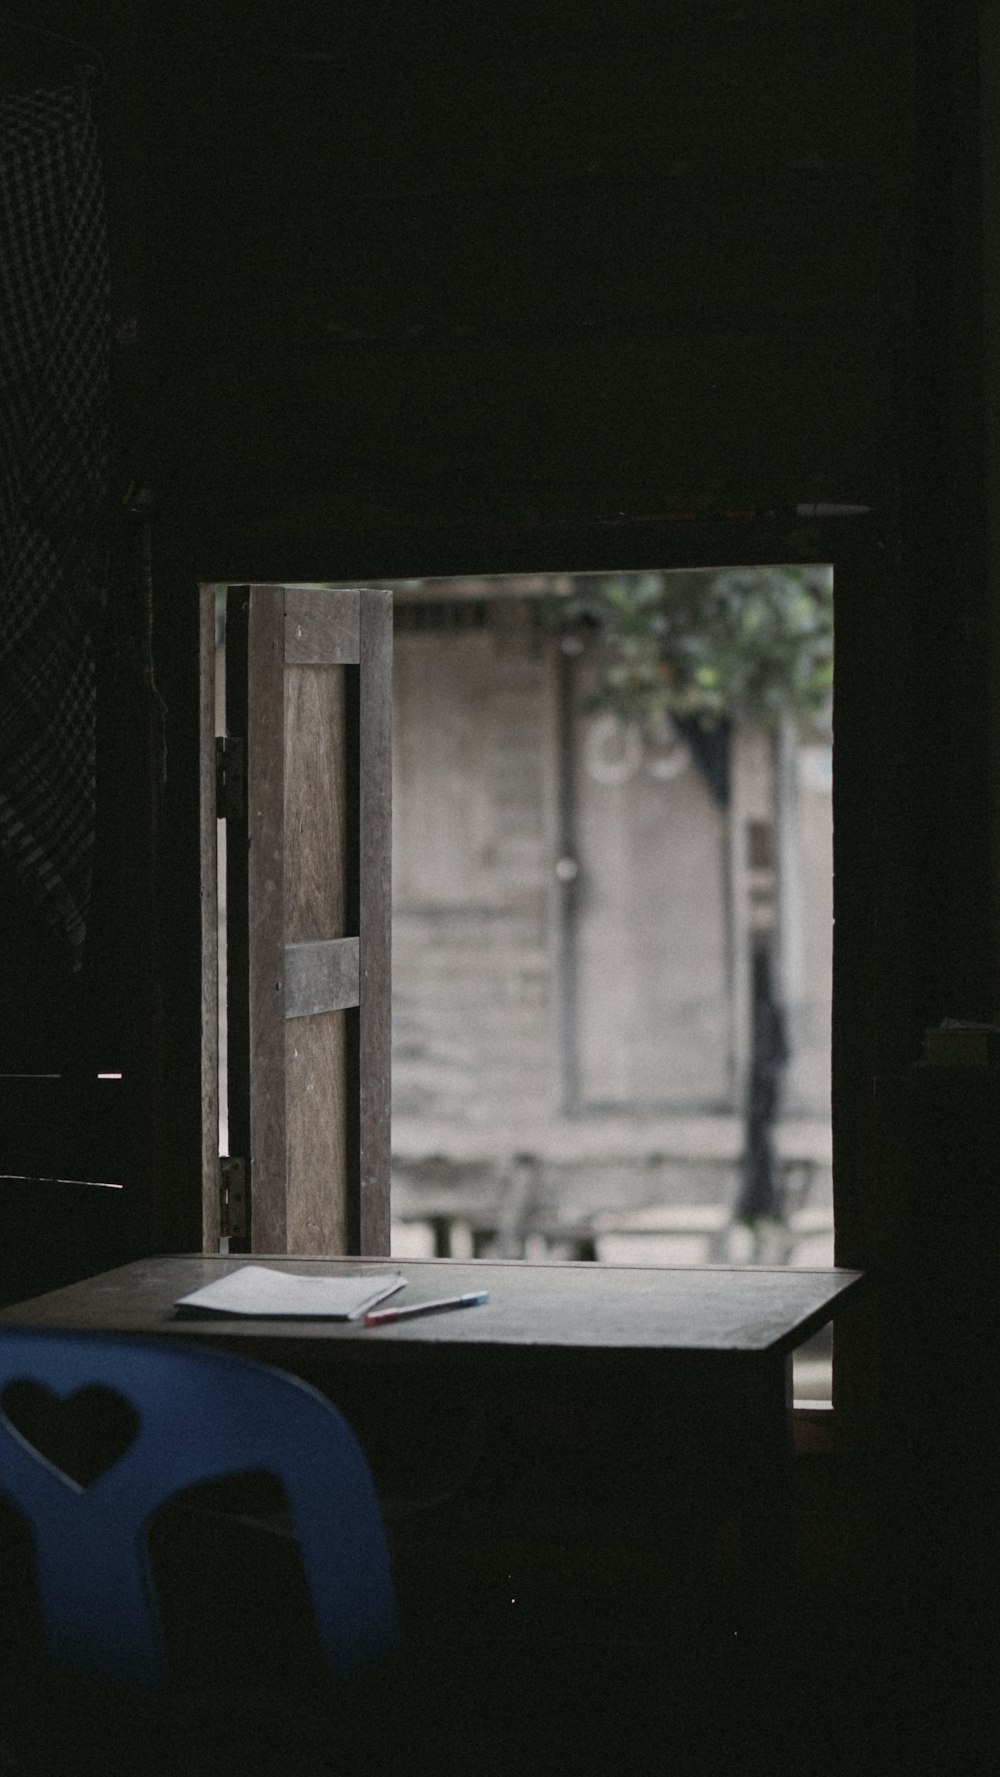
<point>612,917</point>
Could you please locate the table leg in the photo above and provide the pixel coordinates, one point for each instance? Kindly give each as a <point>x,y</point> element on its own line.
<point>767,1519</point>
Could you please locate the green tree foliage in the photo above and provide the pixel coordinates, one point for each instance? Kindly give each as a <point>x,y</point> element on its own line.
<point>748,644</point>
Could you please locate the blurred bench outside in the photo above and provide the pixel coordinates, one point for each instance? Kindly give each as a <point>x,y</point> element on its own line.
<point>600,1190</point>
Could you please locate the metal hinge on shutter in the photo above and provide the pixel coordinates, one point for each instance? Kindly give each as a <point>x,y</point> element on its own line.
<point>230,777</point>
<point>234,1204</point>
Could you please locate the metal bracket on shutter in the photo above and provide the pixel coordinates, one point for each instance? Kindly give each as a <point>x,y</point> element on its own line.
<point>233,1198</point>
<point>230,777</point>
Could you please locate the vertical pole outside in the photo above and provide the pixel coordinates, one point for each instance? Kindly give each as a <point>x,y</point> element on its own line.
<point>567,868</point>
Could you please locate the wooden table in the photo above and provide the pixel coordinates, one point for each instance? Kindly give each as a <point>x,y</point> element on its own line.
<point>710,1347</point>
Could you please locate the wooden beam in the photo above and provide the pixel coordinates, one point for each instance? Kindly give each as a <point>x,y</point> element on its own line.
<point>209,928</point>
<point>320,630</point>
<point>321,976</point>
<point>375,919</point>
<point>265,812</point>
<point>317,842</point>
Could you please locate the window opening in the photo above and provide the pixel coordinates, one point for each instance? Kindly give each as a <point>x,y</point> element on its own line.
<point>612,920</point>
<point>612,914</point>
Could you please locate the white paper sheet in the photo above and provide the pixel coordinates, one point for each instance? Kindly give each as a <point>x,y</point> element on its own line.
<point>258,1291</point>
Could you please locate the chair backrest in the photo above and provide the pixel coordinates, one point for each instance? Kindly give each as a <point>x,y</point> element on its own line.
<point>199,1416</point>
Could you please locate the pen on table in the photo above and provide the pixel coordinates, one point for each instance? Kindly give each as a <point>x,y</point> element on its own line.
<point>379,1317</point>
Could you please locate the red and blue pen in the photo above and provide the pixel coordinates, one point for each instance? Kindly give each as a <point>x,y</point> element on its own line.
<point>380,1317</point>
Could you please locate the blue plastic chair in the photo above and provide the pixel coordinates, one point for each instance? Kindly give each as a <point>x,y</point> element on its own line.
<point>201,1415</point>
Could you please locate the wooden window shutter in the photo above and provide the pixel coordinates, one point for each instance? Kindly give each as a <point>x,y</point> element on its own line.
<point>308,690</point>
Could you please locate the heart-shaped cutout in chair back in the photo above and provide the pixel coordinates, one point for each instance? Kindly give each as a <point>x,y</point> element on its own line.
<point>81,1435</point>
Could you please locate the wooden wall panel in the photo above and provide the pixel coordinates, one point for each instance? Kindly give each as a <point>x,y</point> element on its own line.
<point>315,866</point>
<point>316,1129</point>
<point>375,916</point>
<point>321,977</point>
<point>209,928</point>
<point>265,805</point>
<point>308,915</point>
<point>320,630</point>
<point>315,803</point>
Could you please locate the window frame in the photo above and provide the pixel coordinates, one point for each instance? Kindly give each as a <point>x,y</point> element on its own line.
<point>873,954</point>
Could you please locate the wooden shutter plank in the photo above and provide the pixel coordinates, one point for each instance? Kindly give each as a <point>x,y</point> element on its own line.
<point>321,977</point>
<point>265,812</point>
<point>238,1084</point>
<point>322,628</point>
<point>317,1133</point>
<point>375,911</point>
<point>316,863</point>
<point>209,928</point>
<point>317,848</point>
<point>315,803</point>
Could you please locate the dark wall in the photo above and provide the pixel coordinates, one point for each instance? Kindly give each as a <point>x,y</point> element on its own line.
<point>426,289</point>
<point>415,290</point>
<point>425,266</point>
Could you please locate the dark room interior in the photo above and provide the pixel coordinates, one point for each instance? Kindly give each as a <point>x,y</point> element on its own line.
<point>390,291</point>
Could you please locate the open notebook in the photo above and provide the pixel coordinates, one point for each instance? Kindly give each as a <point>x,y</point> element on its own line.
<point>258,1291</point>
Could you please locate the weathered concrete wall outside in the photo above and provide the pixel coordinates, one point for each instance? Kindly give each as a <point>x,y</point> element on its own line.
<point>472,956</point>
<point>476,944</point>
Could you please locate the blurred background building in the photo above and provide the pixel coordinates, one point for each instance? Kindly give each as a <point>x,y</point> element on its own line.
<point>579,894</point>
